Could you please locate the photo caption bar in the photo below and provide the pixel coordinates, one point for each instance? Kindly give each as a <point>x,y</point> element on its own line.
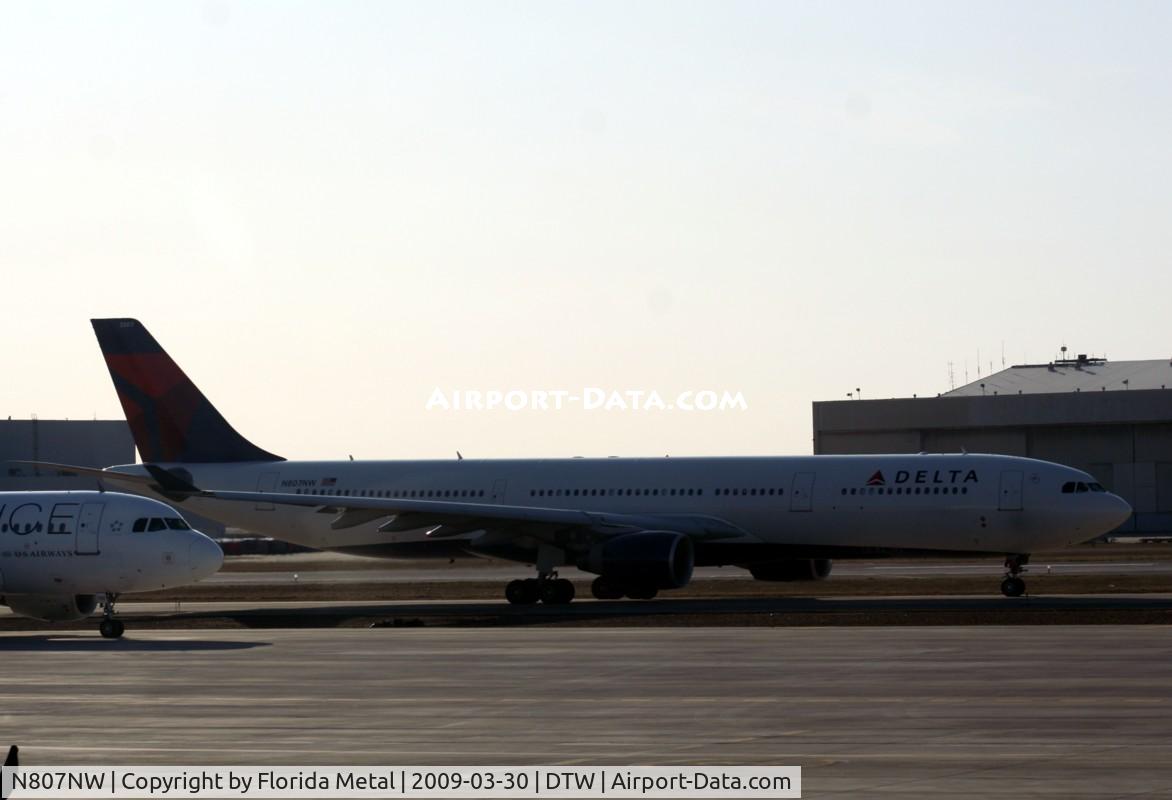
<point>478,783</point>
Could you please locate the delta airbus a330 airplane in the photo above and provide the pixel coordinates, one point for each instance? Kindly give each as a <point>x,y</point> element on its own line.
<point>60,550</point>
<point>640,524</point>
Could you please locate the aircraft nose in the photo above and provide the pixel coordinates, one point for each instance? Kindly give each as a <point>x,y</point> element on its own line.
<point>1117,512</point>
<point>204,555</point>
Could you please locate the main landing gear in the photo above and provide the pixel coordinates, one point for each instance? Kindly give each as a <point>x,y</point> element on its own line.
<point>549,589</point>
<point>110,627</point>
<point>1012,585</point>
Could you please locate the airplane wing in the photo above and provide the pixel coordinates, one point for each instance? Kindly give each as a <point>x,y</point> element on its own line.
<point>442,518</point>
<point>445,518</point>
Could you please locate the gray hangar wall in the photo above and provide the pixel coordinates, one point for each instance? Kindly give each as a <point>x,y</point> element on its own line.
<point>86,443</point>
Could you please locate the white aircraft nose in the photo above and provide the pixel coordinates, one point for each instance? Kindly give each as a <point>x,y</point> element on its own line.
<point>1116,511</point>
<point>204,555</point>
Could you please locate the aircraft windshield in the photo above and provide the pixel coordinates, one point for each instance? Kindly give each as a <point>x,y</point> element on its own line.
<point>156,524</point>
<point>1073,487</point>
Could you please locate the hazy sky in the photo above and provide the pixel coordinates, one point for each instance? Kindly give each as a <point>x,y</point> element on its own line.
<point>326,210</point>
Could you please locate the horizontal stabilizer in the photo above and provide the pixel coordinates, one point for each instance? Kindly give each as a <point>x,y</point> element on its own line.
<point>165,482</point>
<point>94,472</point>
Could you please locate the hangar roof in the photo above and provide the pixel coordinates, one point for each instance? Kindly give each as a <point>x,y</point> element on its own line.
<point>1080,374</point>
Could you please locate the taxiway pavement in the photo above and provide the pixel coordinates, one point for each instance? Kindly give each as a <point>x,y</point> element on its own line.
<point>1063,711</point>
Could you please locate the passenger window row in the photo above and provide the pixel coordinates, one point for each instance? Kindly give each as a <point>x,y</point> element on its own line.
<point>29,527</point>
<point>750,492</point>
<point>417,494</point>
<point>37,527</point>
<point>615,492</point>
<point>873,490</point>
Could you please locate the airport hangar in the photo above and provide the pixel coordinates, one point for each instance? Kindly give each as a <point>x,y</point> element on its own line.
<point>1112,419</point>
<point>86,443</point>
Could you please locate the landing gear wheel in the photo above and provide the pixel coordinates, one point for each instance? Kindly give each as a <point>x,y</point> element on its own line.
<point>1013,587</point>
<point>557,591</point>
<point>522,592</point>
<point>602,589</point>
<point>1015,565</point>
<point>111,628</point>
<point>513,592</point>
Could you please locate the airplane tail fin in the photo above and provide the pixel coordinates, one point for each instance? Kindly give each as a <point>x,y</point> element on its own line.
<point>169,417</point>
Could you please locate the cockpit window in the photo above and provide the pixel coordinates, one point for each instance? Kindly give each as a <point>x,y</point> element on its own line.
<point>1070,487</point>
<point>155,524</point>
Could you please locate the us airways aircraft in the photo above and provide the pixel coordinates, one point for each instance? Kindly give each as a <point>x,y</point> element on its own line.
<point>60,551</point>
<point>639,524</point>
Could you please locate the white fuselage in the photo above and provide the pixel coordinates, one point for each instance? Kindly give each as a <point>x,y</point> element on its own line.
<point>67,543</point>
<point>813,504</point>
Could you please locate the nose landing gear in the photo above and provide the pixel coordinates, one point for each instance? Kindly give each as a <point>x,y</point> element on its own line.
<point>1012,585</point>
<point>110,627</point>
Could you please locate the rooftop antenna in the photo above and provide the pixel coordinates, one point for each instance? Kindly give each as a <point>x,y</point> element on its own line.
<point>951,376</point>
<point>458,456</point>
<point>858,393</point>
<point>1002,354</point>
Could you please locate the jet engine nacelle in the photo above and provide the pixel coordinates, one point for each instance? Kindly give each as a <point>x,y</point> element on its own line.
<point>792,569</point>
<point>52,607</point>
<point>662,558</point>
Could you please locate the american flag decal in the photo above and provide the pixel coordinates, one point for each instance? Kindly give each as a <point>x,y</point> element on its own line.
<point>329,481</point>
